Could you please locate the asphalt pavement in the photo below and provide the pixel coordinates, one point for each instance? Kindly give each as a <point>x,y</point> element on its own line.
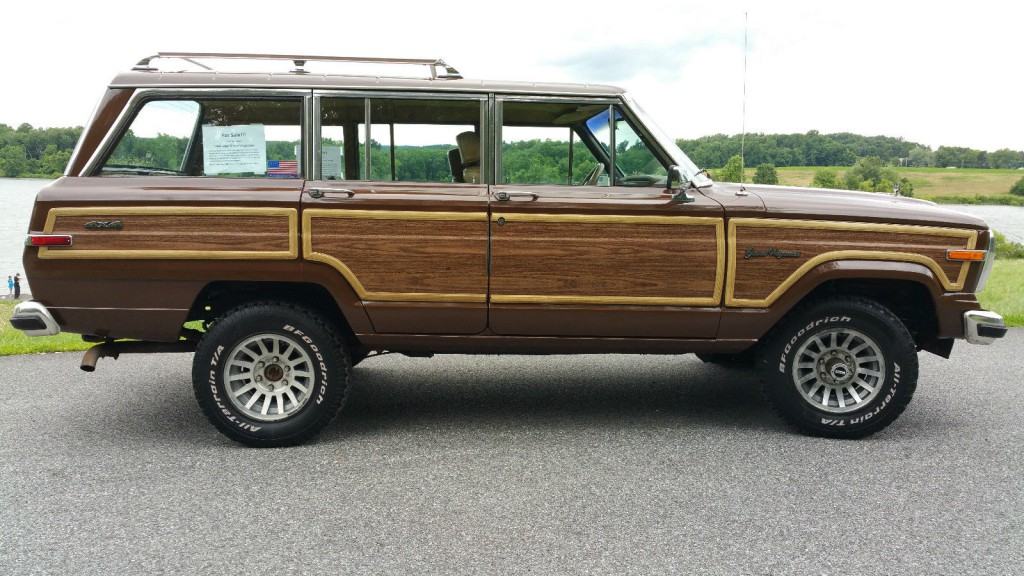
<point>539,465</point>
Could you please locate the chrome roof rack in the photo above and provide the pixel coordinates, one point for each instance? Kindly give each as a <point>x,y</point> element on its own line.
<point>449,73</point>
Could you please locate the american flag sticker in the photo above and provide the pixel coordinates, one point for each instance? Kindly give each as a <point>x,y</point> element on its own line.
<point>283,168</point>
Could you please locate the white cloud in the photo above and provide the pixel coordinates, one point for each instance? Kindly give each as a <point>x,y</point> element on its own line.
<point>935,72</point>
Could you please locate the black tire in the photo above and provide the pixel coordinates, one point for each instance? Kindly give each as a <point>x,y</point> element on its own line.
<point>892,387</point>
<point>310,335</point>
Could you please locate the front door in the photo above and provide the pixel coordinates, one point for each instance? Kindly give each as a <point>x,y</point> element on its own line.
<point>585,241</point>
<point>392,209</point>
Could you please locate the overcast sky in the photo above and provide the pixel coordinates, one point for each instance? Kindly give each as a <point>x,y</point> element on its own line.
<point>941,73</point>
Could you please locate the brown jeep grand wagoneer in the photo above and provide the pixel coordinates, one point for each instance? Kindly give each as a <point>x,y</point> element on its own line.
<point>284,226</point>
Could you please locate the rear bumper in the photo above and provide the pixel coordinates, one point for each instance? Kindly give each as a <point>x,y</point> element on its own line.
<point>34,319</point>
<point>983,327</point>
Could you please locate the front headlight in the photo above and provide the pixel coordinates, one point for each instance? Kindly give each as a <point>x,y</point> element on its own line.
<point>986,267</point>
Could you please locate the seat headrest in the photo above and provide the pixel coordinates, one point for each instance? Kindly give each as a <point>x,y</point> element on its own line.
<point>469,148</point>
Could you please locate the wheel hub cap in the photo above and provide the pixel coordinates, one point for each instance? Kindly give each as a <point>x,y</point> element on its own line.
<point>269,377</point>
<point>839,370</point>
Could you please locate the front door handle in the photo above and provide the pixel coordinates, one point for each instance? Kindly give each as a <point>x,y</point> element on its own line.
<point>321,192</point>
<point>509,196</point>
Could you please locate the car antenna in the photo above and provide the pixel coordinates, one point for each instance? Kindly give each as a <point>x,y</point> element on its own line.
<point>743,115</point>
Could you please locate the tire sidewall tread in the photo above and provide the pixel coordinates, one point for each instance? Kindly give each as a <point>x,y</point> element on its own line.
<point>317,337</point>
<point>863,315</point>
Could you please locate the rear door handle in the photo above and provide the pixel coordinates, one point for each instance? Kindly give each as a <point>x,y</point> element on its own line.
<point>521,196</point>
<point>321,192</point>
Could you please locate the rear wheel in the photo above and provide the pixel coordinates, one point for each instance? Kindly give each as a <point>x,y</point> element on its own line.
<point>270,374</point>
<point>840,368</point>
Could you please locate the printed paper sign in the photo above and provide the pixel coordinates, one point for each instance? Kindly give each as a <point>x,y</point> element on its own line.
<point>330,162</point>
<point>239,149</point>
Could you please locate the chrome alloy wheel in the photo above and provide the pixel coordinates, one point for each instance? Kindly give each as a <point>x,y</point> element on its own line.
<point>269,377</point>
<point>839,370</point>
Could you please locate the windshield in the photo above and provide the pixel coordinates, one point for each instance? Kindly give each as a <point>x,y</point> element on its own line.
<point>689,170</point>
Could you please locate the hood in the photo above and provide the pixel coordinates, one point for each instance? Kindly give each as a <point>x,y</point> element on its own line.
<point>821,203</point>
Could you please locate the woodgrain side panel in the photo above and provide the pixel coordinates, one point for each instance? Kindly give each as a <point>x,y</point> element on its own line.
<point>173,232</point>
<point>403,256</point>
<point>757,281</point>
<point>574,259</point>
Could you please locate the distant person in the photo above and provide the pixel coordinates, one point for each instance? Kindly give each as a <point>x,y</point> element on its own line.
<point>10,285</point>
<point>17,286</point>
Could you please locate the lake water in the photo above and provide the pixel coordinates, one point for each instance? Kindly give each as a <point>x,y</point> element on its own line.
<point>17,196</point>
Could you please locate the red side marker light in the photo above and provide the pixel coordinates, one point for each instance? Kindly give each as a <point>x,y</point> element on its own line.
<point>49,240</point>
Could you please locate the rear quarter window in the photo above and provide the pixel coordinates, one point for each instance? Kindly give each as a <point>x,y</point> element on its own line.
<point>222,137</point>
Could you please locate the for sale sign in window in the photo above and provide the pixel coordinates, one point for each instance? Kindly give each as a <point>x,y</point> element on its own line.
<point>239,149</point>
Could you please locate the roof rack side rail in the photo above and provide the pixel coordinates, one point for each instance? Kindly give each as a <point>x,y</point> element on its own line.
<point>450,73</point>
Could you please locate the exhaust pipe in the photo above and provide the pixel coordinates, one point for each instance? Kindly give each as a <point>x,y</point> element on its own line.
<point>115,348</point>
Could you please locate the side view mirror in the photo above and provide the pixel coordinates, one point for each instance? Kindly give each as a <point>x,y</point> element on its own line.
<point>677,186</point>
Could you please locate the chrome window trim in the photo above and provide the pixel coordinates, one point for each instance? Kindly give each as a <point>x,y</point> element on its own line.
<point>529,97</point>
<point>368,96</point>
<point>308,144</point>
<point>395,94</point>
<point>367,127</point>
<point>614,167</point>
<point>499,109</point>
<point>526,92</point>
<point>142,95</point>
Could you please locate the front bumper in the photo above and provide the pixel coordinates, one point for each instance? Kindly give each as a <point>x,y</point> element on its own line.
<point>983,327</point>
<point>34,319</point>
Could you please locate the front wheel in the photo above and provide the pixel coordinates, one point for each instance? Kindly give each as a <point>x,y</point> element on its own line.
<point>841,368</point>
<point>270,374</point>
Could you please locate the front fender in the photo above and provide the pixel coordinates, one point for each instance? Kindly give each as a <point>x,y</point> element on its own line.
<point>740,322</point>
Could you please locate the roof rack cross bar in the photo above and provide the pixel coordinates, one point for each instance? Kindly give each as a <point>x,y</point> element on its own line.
<point>299,61</point>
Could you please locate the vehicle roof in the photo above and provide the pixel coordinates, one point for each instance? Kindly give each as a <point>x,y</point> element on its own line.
<point>163,79</point>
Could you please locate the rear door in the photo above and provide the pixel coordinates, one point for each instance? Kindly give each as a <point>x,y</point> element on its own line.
<point>391,210</point>
<point>585,239</point>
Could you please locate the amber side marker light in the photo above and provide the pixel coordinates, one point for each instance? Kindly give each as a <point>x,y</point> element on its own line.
<point>965,255</point>
<point>48,240</point>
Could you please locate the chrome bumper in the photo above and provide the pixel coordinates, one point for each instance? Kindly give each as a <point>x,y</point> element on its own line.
<point>983,327</point>
<point>34,319</point>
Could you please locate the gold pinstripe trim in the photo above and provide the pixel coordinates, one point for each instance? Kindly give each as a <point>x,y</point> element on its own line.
<point>713,300</point>
<point>360,290</point>
<point>309,213</point>
<point>971,236</point>
<point>71,253</point>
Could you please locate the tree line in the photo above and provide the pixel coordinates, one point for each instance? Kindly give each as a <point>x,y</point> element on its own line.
<point>26,151</point>
<point>842,149</point>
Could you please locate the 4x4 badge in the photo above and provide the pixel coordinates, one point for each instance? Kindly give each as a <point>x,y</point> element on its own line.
<point>755,253</point>
<point>104,225</point>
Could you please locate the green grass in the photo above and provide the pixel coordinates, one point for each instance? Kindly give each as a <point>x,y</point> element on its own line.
<point>14,342</point>
<point>1005,291</point>
<point>929,183</point>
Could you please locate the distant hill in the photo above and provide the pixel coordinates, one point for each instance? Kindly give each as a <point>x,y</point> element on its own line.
<point>841,149</point>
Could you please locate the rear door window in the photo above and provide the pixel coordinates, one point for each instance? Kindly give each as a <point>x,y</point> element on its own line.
<point>222,137</point>
<point>410,140</point>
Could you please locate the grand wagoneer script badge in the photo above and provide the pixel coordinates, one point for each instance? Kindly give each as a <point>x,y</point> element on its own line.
<point>104,225</point>
<point>755,253</point>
